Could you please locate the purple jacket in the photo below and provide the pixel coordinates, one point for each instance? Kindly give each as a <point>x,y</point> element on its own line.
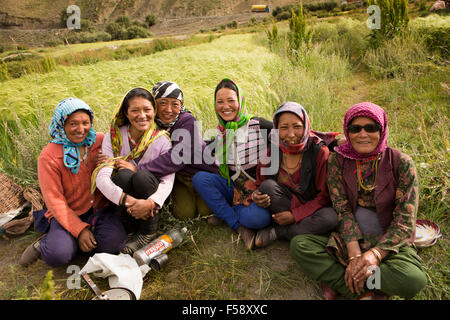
<point>185,136</point>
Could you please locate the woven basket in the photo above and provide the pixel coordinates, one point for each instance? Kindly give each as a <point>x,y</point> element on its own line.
<point>12,200</point>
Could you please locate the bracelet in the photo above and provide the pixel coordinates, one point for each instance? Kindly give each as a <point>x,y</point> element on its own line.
<point>354,257</point>
<point>124,199</point>
<point>377,254</point>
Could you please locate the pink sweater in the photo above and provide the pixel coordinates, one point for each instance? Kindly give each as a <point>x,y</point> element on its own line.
<point>67,195</point>
<point>113,192</point>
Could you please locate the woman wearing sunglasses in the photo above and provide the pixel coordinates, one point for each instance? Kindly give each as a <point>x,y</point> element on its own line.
<point>374,190</point>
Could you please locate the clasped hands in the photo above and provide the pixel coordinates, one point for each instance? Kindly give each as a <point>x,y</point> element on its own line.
<point>140,208</point>
<point>283,218</point>
<point>359,270</point>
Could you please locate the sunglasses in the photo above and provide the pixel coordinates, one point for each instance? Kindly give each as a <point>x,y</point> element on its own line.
<point>371,128</point>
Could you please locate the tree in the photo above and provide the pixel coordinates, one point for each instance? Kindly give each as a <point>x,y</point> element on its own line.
<point>298,34</point>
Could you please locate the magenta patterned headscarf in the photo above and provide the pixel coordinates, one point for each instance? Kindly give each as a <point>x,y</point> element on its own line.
<point>369,110</point>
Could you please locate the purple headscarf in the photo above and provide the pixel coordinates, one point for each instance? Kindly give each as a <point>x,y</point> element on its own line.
<point>369,110</point>
<point>315,136</point>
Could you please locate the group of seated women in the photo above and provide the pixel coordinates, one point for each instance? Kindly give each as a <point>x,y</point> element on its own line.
<point>348,206</point>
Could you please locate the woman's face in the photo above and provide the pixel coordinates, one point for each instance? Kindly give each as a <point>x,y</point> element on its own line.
<point>290,128</point>
<point>168,109</point>
<point>363,141</point>
<point>227,104</point>
<point>77,126</point>
<point>140,113</point>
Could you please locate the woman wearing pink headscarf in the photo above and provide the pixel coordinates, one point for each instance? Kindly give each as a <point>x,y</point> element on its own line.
<point>374,190</point>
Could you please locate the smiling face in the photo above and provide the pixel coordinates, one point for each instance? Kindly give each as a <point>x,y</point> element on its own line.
<point>364,142</point>
<point>227,104</point>
<point>168,109</point>
<point>290,128</point>
<point>77,126</point>
<point>140,113</point>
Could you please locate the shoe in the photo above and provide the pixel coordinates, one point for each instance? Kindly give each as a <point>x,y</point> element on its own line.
<point>214,221</point>
<point>137,241</point>
<point>328,293</point>
<point>265,236</point>
<point>31,254</point>
<point>248,236</point>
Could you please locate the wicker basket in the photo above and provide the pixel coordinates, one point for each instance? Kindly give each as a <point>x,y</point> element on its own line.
<point>12,200</point>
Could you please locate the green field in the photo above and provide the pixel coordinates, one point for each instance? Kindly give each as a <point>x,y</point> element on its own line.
<point>335,74</point>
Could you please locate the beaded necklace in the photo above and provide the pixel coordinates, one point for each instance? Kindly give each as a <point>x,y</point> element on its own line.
<point>359,173</point>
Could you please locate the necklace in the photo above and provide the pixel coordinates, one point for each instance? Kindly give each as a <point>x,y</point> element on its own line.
<point>296,166</point>
<point>360,178</point>
<point>84,157</point>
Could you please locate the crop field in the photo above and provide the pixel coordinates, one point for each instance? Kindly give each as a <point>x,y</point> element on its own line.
<point>407,77</point>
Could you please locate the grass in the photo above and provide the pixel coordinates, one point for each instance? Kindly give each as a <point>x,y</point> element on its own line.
<point>211,263</point>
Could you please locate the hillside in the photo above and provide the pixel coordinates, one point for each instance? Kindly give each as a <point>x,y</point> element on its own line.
<point>44,14</point>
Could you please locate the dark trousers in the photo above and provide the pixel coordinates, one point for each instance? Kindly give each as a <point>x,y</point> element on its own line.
<point>139,185</point>
<point>322,221</point>
<point>59,247</point>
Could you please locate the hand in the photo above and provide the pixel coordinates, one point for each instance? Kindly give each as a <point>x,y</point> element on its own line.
<point>341,141</point>
<point>284,218</point>
<point>122,164</point>
<point>86,240</point>
<point>260,199</point>
<point>140,208</point>
<point>357,272</point>
<point>100,158</point>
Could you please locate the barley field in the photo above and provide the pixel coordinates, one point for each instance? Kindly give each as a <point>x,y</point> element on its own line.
<point>336,73</point>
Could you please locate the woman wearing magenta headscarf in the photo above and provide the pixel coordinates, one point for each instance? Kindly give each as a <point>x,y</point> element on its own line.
<point>297,195</point>
<point>374,190</point>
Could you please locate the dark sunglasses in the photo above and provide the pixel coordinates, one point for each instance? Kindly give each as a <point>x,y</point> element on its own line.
<point>371,128</point>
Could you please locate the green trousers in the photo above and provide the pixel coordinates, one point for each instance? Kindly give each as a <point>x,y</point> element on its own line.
<point>187,202</point>
<point>400,274</point>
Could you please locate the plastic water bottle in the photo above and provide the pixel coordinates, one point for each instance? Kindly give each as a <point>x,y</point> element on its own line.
<point>160,245</point>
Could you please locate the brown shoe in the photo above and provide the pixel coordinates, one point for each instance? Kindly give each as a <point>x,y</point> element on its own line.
<point>214,221</point>
<point>31,254</point>
<point>265,236</point>
<point>248,236</point>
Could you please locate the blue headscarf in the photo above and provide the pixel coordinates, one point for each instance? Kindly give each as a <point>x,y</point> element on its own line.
<point>56,129</point>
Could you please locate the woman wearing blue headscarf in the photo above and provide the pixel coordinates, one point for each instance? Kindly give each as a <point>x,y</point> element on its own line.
<point>72,220</point>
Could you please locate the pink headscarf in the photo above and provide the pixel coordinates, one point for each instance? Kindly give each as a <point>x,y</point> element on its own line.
<point>369,110</point>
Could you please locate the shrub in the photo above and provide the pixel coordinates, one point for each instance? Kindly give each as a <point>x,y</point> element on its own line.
<point>151,20</point>
<point>117,31</point>
<point>298,35</point>
<point>437,39</point>
<point>137,32</point>
<point>124,21</point>
<point>87,26</point>
<point>393,21</point>
<point>272,36</point>
<point>233,24</point>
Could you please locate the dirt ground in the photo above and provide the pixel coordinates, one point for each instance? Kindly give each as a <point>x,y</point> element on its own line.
<point>19,282</point>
